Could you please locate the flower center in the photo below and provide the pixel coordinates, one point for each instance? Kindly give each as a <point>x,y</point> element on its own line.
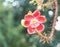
<point>33,21</point>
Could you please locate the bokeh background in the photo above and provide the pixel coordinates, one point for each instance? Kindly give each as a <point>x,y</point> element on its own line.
<point>13,34</point>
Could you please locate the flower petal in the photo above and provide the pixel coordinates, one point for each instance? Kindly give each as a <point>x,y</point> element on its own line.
<point>31,30</point>
<point>40,28</point>
<point>28,17</point>
<point>36,13</point>
<point>42,19</point>
<point>25,23</point>
<point>22,22</point>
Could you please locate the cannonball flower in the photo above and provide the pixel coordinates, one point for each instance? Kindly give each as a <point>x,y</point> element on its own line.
<point>33,22</point>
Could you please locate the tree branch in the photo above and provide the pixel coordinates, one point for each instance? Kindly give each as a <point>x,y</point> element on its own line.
<point>53,25</point>
<point>55,18</point>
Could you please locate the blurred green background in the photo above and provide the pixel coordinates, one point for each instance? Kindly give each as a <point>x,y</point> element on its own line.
<point>12,34</point>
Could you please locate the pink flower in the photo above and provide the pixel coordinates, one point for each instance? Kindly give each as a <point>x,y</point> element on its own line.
<point>34,22</point>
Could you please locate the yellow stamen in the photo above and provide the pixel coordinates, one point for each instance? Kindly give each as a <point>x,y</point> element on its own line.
<point>33,21</point>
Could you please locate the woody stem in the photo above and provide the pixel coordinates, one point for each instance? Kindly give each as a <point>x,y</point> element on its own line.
<point>55,18</point>
<point>53,25</point>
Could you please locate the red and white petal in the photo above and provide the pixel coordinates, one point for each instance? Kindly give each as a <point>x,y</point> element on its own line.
<point>36,13</point>
<point>31,30</point>
<point>42,19</point>
<point>40,28</point>
<point>25,23</point>
<point>28,17</point>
